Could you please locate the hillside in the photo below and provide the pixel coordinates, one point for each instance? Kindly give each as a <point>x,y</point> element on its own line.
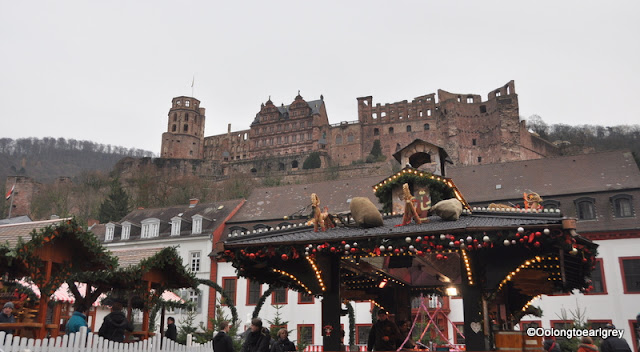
<point>49,158</point>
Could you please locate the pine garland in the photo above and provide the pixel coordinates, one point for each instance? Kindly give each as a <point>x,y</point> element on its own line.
<point>261,301</point>
<point>352,327</point>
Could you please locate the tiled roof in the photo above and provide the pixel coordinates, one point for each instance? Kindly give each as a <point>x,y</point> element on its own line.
<point>11,232</point>
<point>435,225</point>
<point>213,216</point>
<point>131,257</point>
<point>584,173</point>
<point>16,220</point>
<point>276,202</point>
<point>314,105</point>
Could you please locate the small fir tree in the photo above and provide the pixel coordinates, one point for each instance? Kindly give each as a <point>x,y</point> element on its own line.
<point>186,327</point>
<point>277,323</point>
<point>116,206</point>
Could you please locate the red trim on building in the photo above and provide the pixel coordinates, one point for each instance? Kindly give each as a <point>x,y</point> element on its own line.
<point>634,333</point>
<point>604,281</point>
<point>286,297</point>
<point>611,235</point>
<point>358,326</point>
<point>313,340</point>
<point>300,299</point>
<point>217,234</point>
<point>235,292</point>
<point>249,291</point>
<point>624,281</point>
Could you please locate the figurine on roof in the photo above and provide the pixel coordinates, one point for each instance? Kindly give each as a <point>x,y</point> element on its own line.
<point>409,207</point>
<point>318,217</point>
<point>532,201</point>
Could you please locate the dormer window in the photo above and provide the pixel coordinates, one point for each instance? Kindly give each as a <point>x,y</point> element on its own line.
<point>150,228</point>
<point>111,229</point>
<point>196,227</point>
<point>126,230</point>
<point>176,222</point>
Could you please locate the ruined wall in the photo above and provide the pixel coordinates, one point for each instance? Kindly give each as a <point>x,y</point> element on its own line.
<point>229,146</point>
<point>345,141</point>
<point>534,147</point>
<point>26,188</point>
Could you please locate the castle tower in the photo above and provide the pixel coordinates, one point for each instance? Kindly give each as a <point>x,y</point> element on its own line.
<point>184,138</point>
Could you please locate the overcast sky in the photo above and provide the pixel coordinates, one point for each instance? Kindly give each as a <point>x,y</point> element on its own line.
<point>106,71</point>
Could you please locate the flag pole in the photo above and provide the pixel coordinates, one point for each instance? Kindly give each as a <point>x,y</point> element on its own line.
<point>193,80</point>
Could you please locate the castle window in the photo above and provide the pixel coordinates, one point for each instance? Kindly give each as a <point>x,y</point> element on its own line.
<point>585,208</point>
<point>286,139</point>
<point>408,128</point>
<point>309,136</point>
<point>497,93</point>
<point>295,126</point>
<point>178,102</point>
<point>390,130</point>
<point>374,115</point>
<point>622,206</point>
<point>293,138</point>
<point>279,140</point>
<point>279,128</point>
<point>383,114</point>
<point>253,170</point>
<point>459,99</point>
<point>483,109</point>
<point>187,103</point>
<point>186,127</point>
<point>508,89</point>
<point>426,126</point>
<point>479,159</point>
<point>186,117</point>
<point>420,113</point>
<point>173,128</point>
<point>175,117</point>
<point>339,139</point>
<point>469,100</point>
<point>473,141</point>
<point>376,132</point>
<point>294,164</point>
<point>428,112</point>
<point>350,138</point>
<point>309,123</point>
<point>400,116</point>
<point>281,166</point>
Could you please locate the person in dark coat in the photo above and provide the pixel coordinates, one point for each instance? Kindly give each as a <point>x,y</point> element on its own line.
<point>222,341</point>
<point>282,344</point>
<point>172,332</point>
<point>257,340</point>
<point>550,344</point>
<point>115,324</point>
<point>586,345</point>
<point>384,334</point>
<point>7,316</point>
<point>614,343</point>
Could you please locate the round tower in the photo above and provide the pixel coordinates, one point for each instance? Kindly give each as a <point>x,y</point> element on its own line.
<point>185,130</point>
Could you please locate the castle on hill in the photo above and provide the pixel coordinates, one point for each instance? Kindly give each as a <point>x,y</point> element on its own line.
<point>280,138</point>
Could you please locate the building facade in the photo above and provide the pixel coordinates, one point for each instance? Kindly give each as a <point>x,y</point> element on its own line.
<point>280,138</point>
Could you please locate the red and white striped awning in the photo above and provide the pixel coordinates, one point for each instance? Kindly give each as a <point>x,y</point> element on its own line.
<point>63,294</point>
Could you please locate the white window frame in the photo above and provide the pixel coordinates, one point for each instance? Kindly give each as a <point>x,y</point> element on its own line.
<point>195,259</point>
<point>126,230</point>
<point>176,224</point>
<point>196,297</point>
<point>110,231</point>
<point>196,227</point>
<point>150,228</point>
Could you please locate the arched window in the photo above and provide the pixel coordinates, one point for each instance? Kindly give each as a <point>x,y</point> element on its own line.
<point>294,164</point>
<point>551,204</point>
<point>426,126</point>
<point>622,206</point>
<point>174,128</point>
<point>586,208</point>
<point>408,128</point>
<point>186,128</point>
<point>281,166</point>
<point>339,139</point>
<point>376,132</point>
<point>390,130</point>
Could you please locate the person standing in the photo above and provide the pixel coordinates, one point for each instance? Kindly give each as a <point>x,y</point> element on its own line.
<point>384,334</point>
<point>172,331</point>
<point>586,345</point>
<point>257,340</point>
<point>115,324</point>
<point>78,319</point>
<point>614,343</point>
<point>550,344</point>
<point>222,341</point>
<point>283,344</point>
<point>7,316</point>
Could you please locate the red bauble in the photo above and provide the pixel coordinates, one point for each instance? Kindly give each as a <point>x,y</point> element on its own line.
<point>428,250</point>
<point>396,250</point>
<point>343,242</point>
<point>470,247</point>
<point>584,260</point>
<point>284,257</point>
<point>418,240</point>
<point>538,234</point>
<point>537,244</point>
<point>333,249</point>
<point>419,253</point>
<point>252,256</point>
<point>457,243</point>
<point>522,240</point>
<point>439,256</point>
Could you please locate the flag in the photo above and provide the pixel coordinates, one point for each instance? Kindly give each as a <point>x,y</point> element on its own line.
<point>10,192</point>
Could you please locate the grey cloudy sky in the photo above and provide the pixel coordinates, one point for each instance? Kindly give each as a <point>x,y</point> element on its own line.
<point>106,70</point>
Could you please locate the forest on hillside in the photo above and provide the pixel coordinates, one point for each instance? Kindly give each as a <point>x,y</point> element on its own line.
<point>48,158</point>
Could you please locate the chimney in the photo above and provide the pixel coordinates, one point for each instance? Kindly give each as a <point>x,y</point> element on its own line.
<point>193,202</point>
<point>229,128</point>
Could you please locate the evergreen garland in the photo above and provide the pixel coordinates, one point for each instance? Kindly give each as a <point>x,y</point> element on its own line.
<point>438,190</point>
<point>352,327</point>
<point>227,300</point>
<point>263,298</point>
